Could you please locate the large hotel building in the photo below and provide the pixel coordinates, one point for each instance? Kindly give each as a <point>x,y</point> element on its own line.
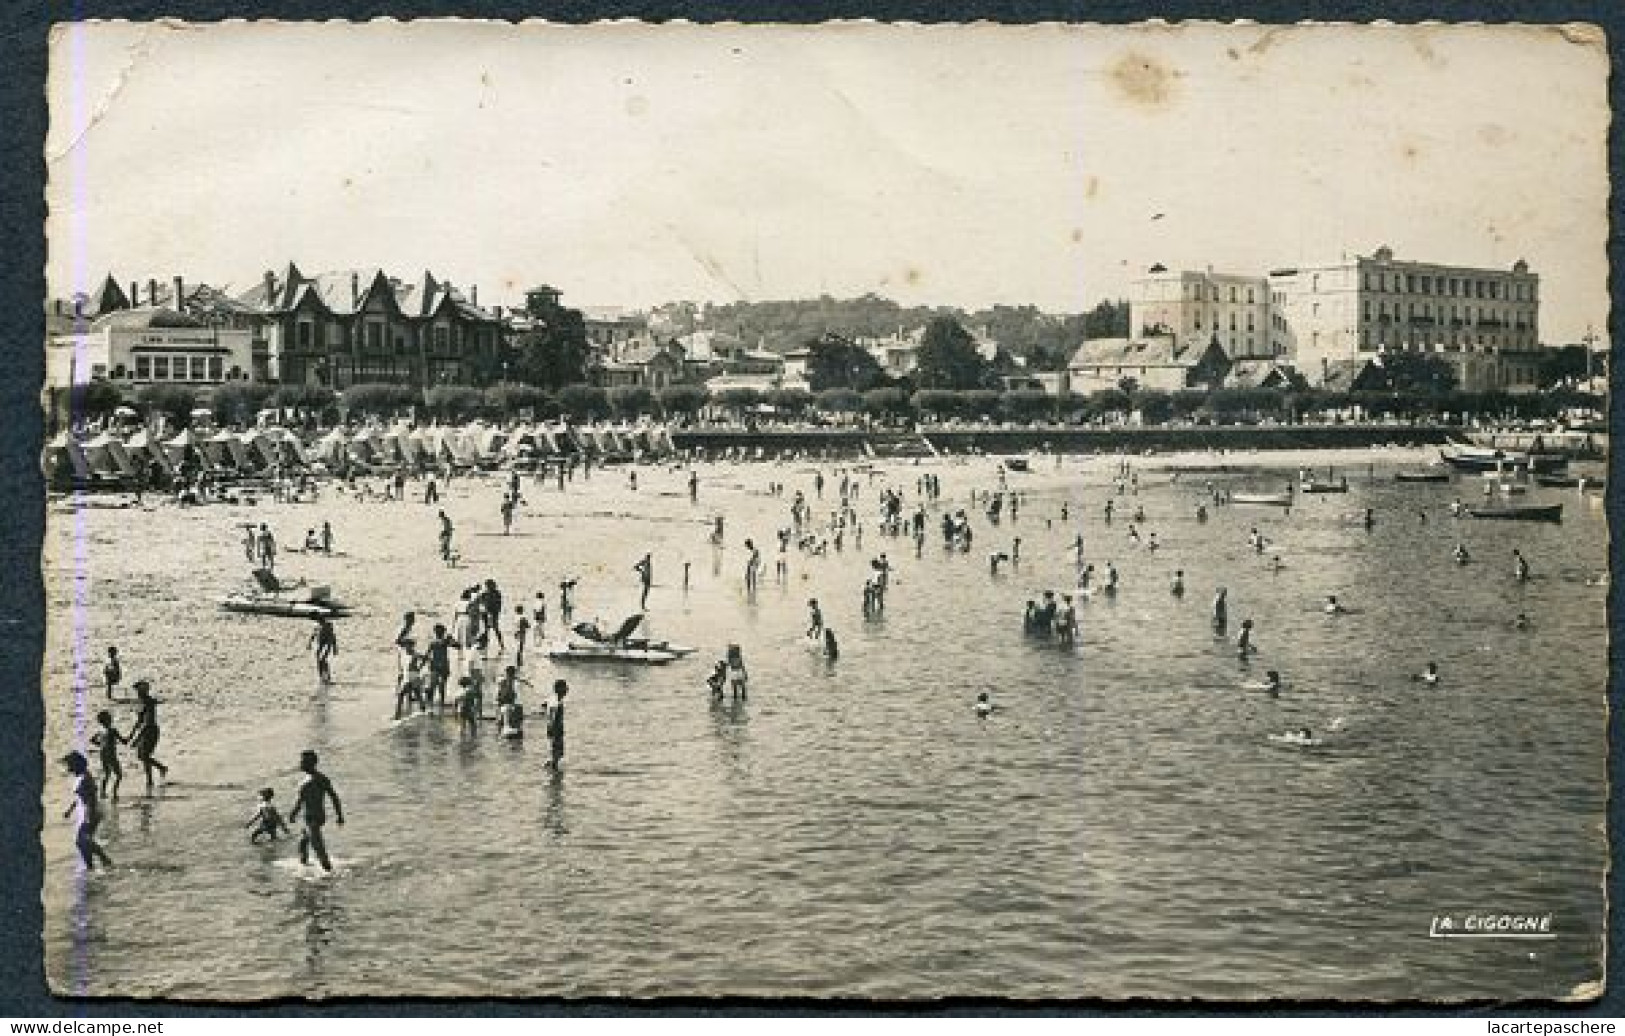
<point>1484,322</point>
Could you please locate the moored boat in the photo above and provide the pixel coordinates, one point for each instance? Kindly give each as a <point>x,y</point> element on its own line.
<point>1422,476</point>
<point>1520,513</point>
<point>1341,486</point>
<point>1262,499</point>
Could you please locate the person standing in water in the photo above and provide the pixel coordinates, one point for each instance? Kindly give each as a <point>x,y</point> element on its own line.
<point>311,803</point>
<point>90,812</point>
<point>555,725</point>
<point>144,735</point>
<point>753,567</point>
<point>326,643</point>
<point>1221,610</point>
<point>1520,566</point>
<point>645,568</point>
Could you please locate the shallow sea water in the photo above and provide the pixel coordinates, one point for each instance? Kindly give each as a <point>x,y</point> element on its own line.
<point>1122,827</point>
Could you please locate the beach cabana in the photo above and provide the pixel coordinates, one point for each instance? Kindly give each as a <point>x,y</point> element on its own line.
<point>183,446</point>
<point>105,455</point>
<point>332,448</point>
<point>235,451</point>
<point>64,459</point>
<point>144,450</point>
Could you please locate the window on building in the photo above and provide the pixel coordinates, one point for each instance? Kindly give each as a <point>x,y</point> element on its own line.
<point>160,368</point>
<point>400,345</point>
<point>1198,321</point>
<point>304,334</point>
<point>1249,296</point>
<point>375,335</point>
<point>1249,322</point>
<point>1410,283</point>
<point>1314,283</point>
<point>441,338</point>
<point>1232,293</point>
<point>143,368</point>
<point>98,371</point>
<point>217,368</point>
<point>200,368</point>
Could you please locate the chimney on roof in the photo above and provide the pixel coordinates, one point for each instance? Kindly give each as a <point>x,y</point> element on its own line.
<point>498,312</point>
<point>135,293</point>
<point>355,289</point>
<point>180,296</point>
<point>152,291</point>
<point>270,289</point>
<point>474,294</point>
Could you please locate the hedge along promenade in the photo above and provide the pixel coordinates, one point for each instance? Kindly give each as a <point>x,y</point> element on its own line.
<point>1079,440</point>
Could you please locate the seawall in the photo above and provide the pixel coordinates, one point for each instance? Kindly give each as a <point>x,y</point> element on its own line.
<point>1073,440</point>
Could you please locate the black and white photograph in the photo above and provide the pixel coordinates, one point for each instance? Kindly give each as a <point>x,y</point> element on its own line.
<point>856,511</point>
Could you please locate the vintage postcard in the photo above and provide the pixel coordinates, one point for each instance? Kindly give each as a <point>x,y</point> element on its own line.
<point>844,511</point>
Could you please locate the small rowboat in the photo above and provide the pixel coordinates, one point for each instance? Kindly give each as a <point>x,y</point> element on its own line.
<point>638,653</point>
<point>1523,513</point>
<point>287,607</point>
<point>1018,463</point>
<point>1422,476</point>
<point>1324,487</point>
<point>1262,499</point>
<point>591,645</point>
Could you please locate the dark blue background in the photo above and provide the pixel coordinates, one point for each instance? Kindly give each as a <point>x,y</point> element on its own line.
<point>23,28</point>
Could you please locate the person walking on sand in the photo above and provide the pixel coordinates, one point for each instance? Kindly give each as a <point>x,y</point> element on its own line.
<point>446,530</point>
<point>144,735</point>
<point>311,804</point>
<point>267,548</point>
<point>326,643</point>
<point>90,812</point>
<point>645,569</point>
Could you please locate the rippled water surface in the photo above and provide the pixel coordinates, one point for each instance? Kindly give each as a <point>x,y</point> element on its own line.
<point>1123,826</point>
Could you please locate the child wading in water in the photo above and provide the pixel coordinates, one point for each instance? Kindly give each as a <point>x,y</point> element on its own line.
<point>107,740</point>
<point>90,811</point>
<point>266,821</point>
<point>112,672</point>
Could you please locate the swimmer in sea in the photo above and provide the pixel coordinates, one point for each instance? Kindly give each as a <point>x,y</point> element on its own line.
<point>1430,676</point>
<point>1461,555</point>
<point>1521,622</point>
<point>1177,587</point>
<point>984,706</point>
<point>266,821</point>
<point>1332,607</point>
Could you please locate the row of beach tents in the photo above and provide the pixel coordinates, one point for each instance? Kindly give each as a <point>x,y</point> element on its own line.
<point>111,455</point>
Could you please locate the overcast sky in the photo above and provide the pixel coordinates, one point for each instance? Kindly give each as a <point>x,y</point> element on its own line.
<point>634,165</point>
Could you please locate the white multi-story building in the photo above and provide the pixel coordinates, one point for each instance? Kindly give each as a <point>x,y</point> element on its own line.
<point>1198,307</point>
<point>1484,322</point>
<point>148,345</point>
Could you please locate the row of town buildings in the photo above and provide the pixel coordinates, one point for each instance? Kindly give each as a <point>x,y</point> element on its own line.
<point>1324,325</point>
